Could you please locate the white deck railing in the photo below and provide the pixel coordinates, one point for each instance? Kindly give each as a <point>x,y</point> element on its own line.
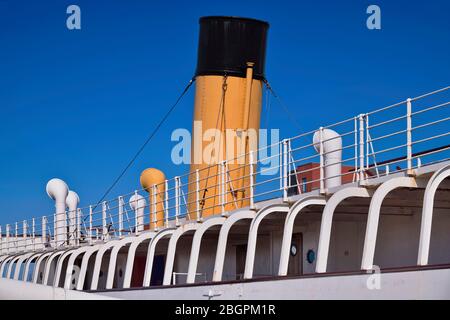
<point>396,138</point>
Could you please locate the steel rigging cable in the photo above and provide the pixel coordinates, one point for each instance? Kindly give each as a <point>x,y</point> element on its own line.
<point>280,101</point>
<point>161,122</point>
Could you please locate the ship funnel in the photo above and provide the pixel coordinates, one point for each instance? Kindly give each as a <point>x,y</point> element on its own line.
<point>72,201</point>
<point>138,204</point>
<point>153,181</point>
<point>58,190</point>
<point>332,153</point>
<point>229,84</point>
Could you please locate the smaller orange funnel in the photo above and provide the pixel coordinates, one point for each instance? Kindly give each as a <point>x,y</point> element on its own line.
<point>153,181</point>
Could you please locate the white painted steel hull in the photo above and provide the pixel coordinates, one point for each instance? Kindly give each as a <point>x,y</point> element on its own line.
<point>418,284</point>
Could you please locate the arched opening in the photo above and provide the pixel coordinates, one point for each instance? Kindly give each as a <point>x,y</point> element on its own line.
<point>236,250</point>
<point>119,270</point>
<point>440,230</point>
<point>181,260</point>
<point>38,273</point>
<point>140,257</point>
<point>12,268</point>
<point>31,262</point>
<point>305,239</point>
<point>89,271</point>
<point>104,264</point>
<point>50,268</point>
<point>347,235</point>
<point>268,245</point>
<point>64,261</point>
<point>399,228</point>
<point>159,261</point>
<point>75,273</point>
<point>207,254</point>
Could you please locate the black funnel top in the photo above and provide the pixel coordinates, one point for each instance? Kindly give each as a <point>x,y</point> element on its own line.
<point>226,44</point>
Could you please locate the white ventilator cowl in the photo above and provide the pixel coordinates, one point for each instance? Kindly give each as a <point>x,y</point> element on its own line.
<point>72,201</point>
<point>58,191</point>
<point>138,204</point>
<point>332,153</point>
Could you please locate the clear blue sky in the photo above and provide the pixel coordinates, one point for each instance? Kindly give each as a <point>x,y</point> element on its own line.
<point>78,104</point>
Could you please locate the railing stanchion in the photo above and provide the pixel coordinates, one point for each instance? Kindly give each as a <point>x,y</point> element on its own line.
<point>222,186</point>
<point>252,180</point>
<point>155,218</point>
<point>361,148</point>
<point>356,175</point>
<point>44,230</point>
<point>7,238</point>
<point>121,205</point>
<point>322,162</point>
<point>197,193</point>
<point>409,135</point>
<point>166,203</point>
<point>33,232</point>
<point>285,170</point>
<point>289,156</point>
<point>16,237</point>
<point>136,218</point>
<point>104,226</point>
<point>78,232</point>
<point>90,224</point>
<point>24,234</point>
<point>177,200</point>
<point>366,120</point>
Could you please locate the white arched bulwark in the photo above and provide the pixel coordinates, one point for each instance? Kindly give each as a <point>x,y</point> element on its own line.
<point>151,254</point>
<point>48,265</point>
<point>22,258</point>
<point>131,253</point>
<point>59,265</point>
<point>173,247</point>
<point>253,234</point>
<point>98,262</point>
<point>4,261</point>
<point>70,265</point>
<point>113,259</point>
<point>84,265</point>
<point>289,227</point>
<point>6,264</point>
<point>223,239</point>
<point>28,264</point>
<point>374,216</point>
<point>327,222</point>
<point>37,266</point>
<point>16,258</point>
<point>427,214</point>
<point>3,257</point>
<point>196,242</point>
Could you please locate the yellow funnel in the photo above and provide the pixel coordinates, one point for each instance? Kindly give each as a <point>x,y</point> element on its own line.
<point>228,96</point>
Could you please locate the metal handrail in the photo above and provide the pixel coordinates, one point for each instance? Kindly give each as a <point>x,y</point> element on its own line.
<point>390,138</point>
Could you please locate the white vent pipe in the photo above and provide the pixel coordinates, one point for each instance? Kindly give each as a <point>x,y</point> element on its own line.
<point>72,202</point>
<point>138,204</point>
<point>58,191</point>
<point>332,154</point>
